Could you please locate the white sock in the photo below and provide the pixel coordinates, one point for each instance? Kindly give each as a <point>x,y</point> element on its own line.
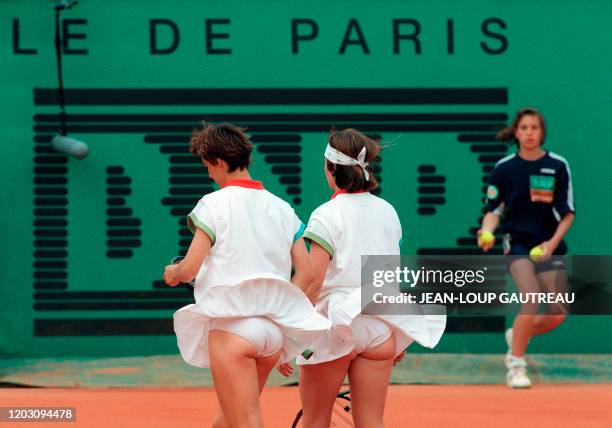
<point>514,361</point>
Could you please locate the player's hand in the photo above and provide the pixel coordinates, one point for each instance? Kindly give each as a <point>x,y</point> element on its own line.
<point>399,358</point>
<point>549,248</point>
<point>486,246</point>
<point>286,369</point>
<point>169,275</point>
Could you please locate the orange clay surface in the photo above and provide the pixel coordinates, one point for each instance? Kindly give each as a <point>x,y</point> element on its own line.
<point>407,406</point>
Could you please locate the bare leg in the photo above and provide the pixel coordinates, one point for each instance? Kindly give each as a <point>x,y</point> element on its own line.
<point>545,323</point>
<point>319,385</point>
<point>219,420</point>
<point>237,379</point>
<point>552,281</point>
<point>264,367</point>
<point>526,281</point>
<point>369,379</point>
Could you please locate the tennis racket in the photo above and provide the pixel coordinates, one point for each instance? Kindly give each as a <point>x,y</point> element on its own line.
<point>342,416</point>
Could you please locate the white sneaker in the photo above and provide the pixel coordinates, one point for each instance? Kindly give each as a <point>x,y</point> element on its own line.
<point>517,378</point>
<point>508,335</point>
<point>517,372</point>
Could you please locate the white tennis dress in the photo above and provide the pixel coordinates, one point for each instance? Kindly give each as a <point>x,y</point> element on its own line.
<point>348,226</point>
<point>247,272</point>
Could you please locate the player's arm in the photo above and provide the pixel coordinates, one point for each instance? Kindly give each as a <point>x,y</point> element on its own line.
<point>318,233</point>
<point>564,204</point>
<point>563,227</point>
<point>319,260</point>
<point>188,268</point>
<point>495,207</point>
<point>485,236</point>
<point>301,265</point>
<point>566,222</point>
<point>490,221</point>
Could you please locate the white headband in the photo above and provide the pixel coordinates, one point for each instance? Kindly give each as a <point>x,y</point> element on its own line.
<point>339,158</point>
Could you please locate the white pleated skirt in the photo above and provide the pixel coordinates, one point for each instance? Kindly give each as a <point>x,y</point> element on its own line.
<point>278,300</point>
<point>423,324</point>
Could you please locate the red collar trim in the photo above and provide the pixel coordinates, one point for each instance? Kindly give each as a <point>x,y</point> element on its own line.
<point>341,191</point>
<point>249,184</point>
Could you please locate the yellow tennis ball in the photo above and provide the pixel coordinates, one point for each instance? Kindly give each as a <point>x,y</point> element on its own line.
<point>536,253</point>
<point>487,237</point>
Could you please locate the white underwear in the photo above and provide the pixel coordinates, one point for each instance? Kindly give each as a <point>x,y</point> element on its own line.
<point>369,332</point>
<point>265,335</point>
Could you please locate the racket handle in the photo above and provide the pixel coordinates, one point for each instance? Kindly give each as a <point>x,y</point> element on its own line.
<point>307,354</point>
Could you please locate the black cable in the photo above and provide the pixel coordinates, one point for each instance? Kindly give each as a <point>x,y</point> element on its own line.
<point>58,53</point>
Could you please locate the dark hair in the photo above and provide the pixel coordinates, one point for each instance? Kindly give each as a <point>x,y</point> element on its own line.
<point>507,133</point>
<point>350,142</point>
<point>224,141</point>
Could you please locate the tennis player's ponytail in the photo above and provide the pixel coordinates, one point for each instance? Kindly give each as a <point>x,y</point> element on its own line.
<point>507,133</point>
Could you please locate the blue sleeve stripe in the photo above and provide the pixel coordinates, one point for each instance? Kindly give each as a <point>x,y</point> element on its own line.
<point>299,233</point>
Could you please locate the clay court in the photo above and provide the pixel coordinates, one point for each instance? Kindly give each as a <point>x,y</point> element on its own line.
<point>407,406</point>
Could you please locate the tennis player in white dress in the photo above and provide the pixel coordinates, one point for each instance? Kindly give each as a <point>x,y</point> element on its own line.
<point>249,313</point>
<point>352,224</point>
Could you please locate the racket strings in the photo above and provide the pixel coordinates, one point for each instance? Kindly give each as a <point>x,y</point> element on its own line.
<point>341,414</point>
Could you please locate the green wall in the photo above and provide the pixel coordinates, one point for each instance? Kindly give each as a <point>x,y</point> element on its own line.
<point>71,289</point>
